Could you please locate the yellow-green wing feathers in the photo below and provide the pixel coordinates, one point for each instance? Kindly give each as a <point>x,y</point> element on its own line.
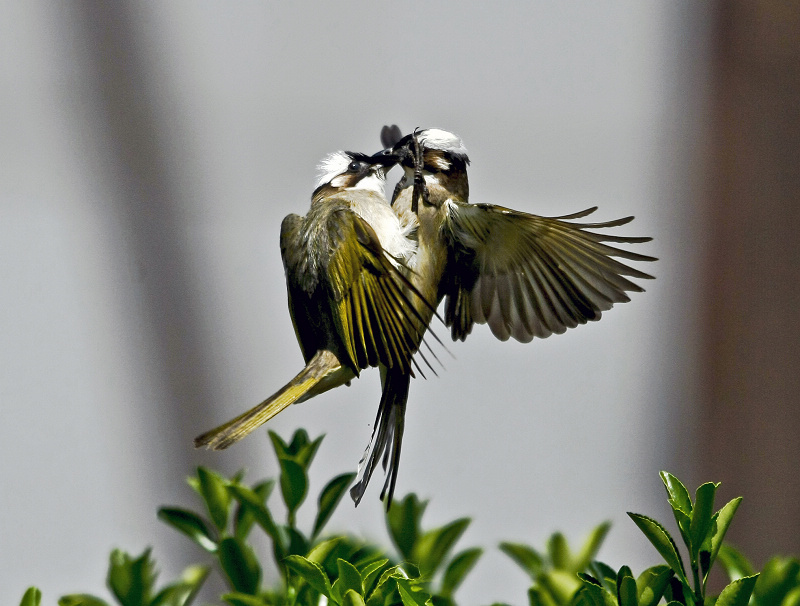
<point>529,276</point>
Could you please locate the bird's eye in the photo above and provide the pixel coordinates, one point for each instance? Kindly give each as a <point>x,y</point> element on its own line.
<point>354,166</point>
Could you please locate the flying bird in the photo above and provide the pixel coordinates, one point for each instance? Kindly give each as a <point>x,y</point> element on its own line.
<point>524,275</point>
<point>351,303</point>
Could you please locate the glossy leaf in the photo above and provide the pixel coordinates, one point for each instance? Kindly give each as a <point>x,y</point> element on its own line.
<point>652,583</point>
<point>352,598</point>
<point>131,580</point>
<point>311,572</point>
<point>627,594</point>
<point>190,524</point>
<point>526,557</point>
<point>81,599</point>
<point>590,547</point>
<point>403,520</point>
<point>215,494</point>
<point>31,597</point>
<point>722,522</point>
<point>662,541</point>
<point>411,595</point>
<point>329,499</point>
<point>678,495</point>
<point>606,575</point>
<point>701,516</point>
<point>738,592</point>
<point>349,577</point>
<point>294,485</point>
<point>458,568</point>
<point>240,565</point>
<point>371,573</point>
<point>433,546</point>
<point>592,593</point>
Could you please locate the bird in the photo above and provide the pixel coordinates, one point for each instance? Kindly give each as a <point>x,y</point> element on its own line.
<point>524,275</point>
<point>351,303</point>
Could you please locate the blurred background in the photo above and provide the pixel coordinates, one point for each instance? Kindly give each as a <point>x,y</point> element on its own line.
<point>149,151</point>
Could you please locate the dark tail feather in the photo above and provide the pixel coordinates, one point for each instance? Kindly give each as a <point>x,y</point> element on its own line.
<point>387,437</point>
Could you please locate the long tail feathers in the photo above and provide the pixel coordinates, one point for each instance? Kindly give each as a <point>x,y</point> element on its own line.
<point>387,437</point>
<point>320,367</point>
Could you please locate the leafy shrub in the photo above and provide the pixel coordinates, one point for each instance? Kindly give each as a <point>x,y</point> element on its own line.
<point>346,571</point>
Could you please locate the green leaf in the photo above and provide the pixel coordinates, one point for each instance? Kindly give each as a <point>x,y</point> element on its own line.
<point>591,593</point>
<point>370,574</point>
<point>734,562</point>
<point>662,541</point>
<point>184,591</point>
<point>590,547</point>
<point>411,595</point>
<point>652,583</point>
<point>311,573</point>
<point>240,565</point>
<point>605,574</point>
<point>215,494</point>
<point>252,501</point>
<point>458,568</point>
<point>329,499</point>
<point>298,544</point>
<point>320,552</point>
<point>349,577</point>
<point>131,580</point>
<point>190,524</point>
<point>777,578</point>
<point>738,592</point>
<point>701,516</point>
<point>526,557</point>
<point>558,552</point>
<point>722,522</point>
<point>561,584</point>
<point>32,597</point>
<point>627,594</point>
<point>245,518</point>
<point>294,485</point>
<point>242,599</point>
<point>352,598</point>
<point>678,495</point>
<point>434,545</point>
<point>300,449</point>
<point>792,598</point>
<point>403,520</point>
<point>539,597</point>
<point>81,599</point>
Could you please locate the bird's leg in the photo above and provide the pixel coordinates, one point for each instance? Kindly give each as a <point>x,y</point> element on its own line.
<point>420,188</point>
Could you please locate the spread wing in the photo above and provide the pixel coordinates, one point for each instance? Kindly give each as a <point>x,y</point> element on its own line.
<point>353,294</point>
<point>529,276</point>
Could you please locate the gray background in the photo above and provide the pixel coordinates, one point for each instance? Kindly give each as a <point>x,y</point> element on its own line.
<point>148,155</point>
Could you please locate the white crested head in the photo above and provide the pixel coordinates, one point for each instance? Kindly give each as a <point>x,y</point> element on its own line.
<point>436,138</point>
<point>332,166</point>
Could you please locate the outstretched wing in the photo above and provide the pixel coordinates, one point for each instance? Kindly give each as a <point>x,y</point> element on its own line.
<point>529,276</point>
